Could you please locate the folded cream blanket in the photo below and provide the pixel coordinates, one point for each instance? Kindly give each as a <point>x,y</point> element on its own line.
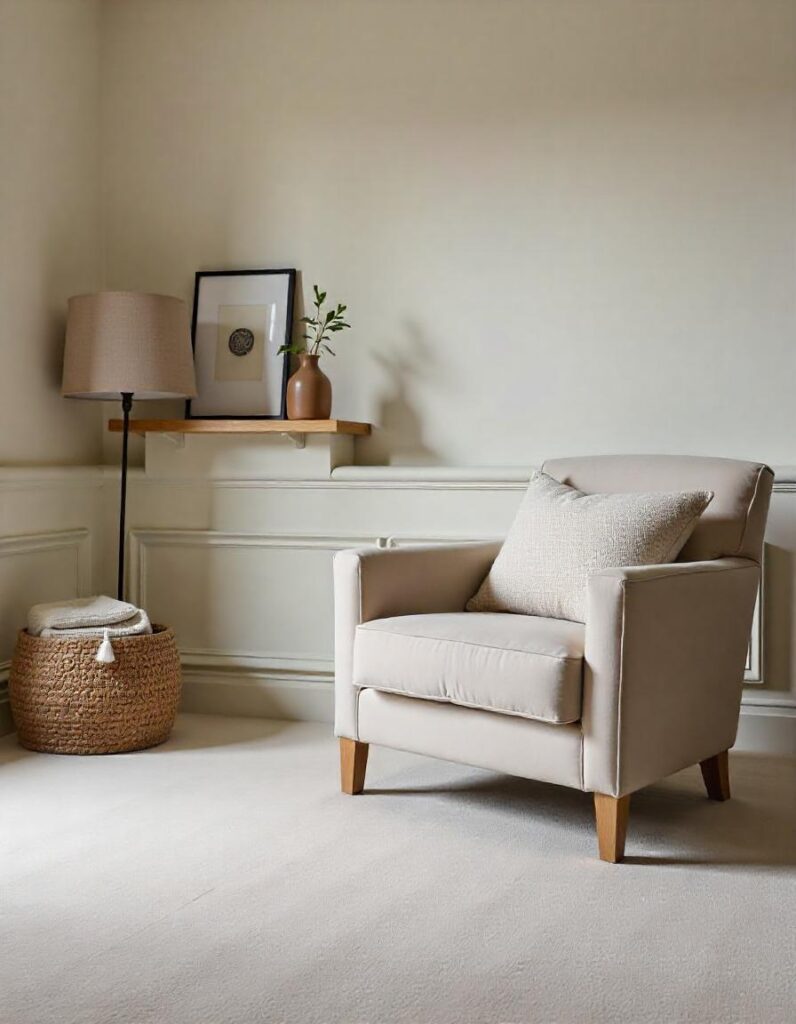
<point>137,623</point>
<point>88,616</point>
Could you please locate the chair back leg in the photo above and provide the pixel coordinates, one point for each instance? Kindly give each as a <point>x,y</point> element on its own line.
<point>716,773</point>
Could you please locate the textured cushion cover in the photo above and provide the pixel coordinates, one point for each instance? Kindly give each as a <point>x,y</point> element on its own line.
<point>561,535</point>
<point>514,664</point>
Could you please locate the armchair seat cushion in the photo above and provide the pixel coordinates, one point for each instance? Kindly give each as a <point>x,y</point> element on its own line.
<point>512,664</point>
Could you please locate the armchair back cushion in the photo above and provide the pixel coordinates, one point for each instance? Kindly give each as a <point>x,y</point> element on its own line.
<point>733,523</point>
<point>561,535</point>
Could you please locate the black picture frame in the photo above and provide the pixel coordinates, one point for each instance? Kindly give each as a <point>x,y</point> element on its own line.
<point>290,274</point>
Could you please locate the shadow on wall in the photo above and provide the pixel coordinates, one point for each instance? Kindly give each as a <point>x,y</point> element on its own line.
<point>398,436</point>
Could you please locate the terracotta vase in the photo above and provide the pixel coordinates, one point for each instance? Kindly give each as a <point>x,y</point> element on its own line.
<point>309,391</point>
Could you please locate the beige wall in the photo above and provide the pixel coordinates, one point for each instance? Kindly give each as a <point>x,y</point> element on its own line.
<point>560,225</point>
<point>49,220</point>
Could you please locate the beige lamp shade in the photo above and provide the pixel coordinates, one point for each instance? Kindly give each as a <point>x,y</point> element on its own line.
<point>132,342</point>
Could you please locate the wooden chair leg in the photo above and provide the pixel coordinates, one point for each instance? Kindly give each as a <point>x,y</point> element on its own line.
<point>716,773</point>
<point>611,813</point>
<point>353,762</point>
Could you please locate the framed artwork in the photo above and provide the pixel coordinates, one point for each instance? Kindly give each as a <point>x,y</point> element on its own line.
<point>240,320</point>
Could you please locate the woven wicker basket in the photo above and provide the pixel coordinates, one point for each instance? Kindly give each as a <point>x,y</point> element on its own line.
<point>64,701</point>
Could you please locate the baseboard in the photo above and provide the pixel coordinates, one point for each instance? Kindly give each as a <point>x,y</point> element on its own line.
<point>767,730</point>
<point>305,698</point>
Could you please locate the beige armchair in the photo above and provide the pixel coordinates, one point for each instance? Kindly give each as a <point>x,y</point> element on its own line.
<point>649,685</point>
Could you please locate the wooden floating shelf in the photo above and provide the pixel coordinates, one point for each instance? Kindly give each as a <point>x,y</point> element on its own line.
<point>290,427</point>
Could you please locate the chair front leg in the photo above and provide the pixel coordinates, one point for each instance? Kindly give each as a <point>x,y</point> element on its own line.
<point>353,763</point>
<point>611,813</point>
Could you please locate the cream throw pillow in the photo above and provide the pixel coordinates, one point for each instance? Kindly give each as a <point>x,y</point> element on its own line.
<point>560,535</point>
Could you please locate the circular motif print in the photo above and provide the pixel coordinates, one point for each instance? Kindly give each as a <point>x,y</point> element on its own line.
<point>241,341</point>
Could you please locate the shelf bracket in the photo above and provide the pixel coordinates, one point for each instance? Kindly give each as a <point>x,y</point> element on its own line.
<point>299,440</point>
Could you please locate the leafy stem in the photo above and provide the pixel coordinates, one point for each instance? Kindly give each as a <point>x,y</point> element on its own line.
<point>319,328</point>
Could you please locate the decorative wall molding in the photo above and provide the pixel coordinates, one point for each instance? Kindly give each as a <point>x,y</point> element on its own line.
<point>276,672</point>
<point>785,479</point>
<point>52,540</point>
<point>50,477</point>
<point>55,540</point>
<point>399,478</point>
<point>210,660</point>
<point>440,480</point>
<point>171,537</point>
<point>140,541</point>
<point>475,477</point>
<point>27,476</point>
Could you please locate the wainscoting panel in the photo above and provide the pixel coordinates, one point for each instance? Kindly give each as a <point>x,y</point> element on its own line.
<point>35,568</point>
<point>39,567</point>
<point>241,600</point>
<point>48,528</point>
<point>242,569</point>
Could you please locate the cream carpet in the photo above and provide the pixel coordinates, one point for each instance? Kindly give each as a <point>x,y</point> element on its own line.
<point>222,878</point>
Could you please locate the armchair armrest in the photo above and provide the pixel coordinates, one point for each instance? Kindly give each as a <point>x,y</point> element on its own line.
<point>375,583</point>
<point>663,668</point>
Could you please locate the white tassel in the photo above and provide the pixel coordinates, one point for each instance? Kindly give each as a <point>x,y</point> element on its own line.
<point>105,653</point>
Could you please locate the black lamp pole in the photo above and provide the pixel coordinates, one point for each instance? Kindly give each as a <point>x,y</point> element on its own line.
<point>127,405</point>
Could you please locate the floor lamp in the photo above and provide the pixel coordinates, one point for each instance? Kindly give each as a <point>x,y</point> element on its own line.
<point>121,345</point>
